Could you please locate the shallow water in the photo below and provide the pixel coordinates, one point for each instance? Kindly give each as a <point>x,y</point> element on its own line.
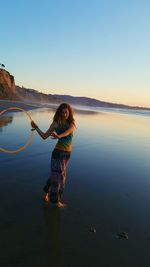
<point>108,187</point>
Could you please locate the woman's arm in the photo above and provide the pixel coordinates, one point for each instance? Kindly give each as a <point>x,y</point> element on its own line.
<point>42,134</point>
<point>66,133</point>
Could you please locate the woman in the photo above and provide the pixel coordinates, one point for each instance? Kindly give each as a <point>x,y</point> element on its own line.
<point>62,128</point>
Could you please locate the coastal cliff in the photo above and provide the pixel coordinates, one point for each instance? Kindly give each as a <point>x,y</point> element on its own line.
<point>9,91</point>
<point>7,85</point>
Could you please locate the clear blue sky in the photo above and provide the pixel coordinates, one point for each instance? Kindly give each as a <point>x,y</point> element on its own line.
<point>92,48</point>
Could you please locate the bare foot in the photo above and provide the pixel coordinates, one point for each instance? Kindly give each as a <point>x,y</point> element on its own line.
<point>60,205</point>
<point>45,197</point>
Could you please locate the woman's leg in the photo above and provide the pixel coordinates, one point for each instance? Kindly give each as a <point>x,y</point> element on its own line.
<point>63,177</point>
<point>47,186</point>
<point>55,184</point>
<point>58,179</point>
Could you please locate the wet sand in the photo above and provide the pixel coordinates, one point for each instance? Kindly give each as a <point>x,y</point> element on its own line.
<point>107,189</point>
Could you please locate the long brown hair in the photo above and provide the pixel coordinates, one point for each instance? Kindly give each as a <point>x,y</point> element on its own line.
<point>57,117</point>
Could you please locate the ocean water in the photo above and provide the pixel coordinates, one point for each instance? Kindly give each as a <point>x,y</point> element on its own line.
<point>108,188</point>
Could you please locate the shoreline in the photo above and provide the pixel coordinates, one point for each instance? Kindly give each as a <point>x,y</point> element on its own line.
<point>4,104</point>
<point>88,110</point>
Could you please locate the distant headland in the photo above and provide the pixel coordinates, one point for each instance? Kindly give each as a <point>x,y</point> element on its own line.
<point>10,91</point>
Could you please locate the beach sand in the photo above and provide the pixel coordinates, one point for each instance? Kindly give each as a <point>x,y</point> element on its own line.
<point>107,193</point>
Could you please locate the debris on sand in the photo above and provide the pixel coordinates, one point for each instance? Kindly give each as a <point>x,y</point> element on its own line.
<point>122,235</point>
<point>92,229</point>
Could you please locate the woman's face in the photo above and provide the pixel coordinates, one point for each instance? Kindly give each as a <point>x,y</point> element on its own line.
<point>65,114</point>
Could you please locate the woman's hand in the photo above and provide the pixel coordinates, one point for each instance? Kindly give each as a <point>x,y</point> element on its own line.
<point>33,124</point>
<point>54,135</point>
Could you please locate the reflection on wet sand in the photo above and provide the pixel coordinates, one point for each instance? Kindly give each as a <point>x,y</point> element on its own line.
<point>86,112</point>
<point>4,121</point>
<point>52,241</point>
<point>108,181</point>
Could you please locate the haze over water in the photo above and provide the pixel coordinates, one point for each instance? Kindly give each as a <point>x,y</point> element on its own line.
<point>108,188</point>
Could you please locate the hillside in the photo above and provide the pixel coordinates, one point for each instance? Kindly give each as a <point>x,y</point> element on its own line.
<point>9,91</point>
<point>86,101</point>
<point>33,96</point>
